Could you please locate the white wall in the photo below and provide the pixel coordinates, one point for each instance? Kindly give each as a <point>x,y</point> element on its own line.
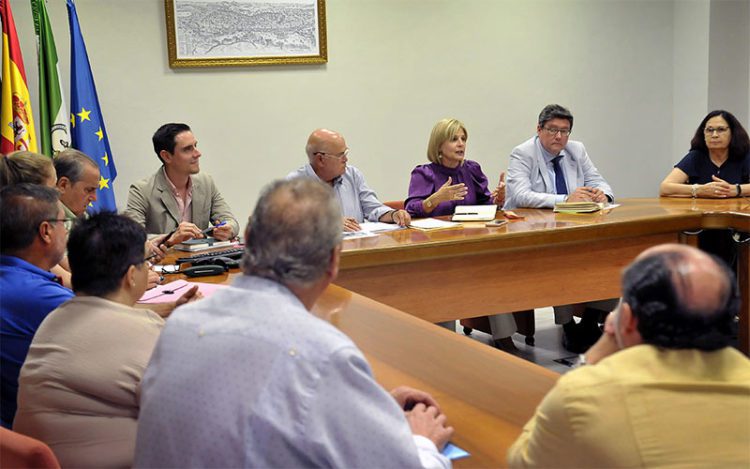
<point>396,67</point>
<point>728,57</point>
<point>690,72</point>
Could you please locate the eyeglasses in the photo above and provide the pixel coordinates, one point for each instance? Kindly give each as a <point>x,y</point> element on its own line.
<point>61,220</point>
<point>718,130</point>
<point>339,156</point>
<point>553,131</point>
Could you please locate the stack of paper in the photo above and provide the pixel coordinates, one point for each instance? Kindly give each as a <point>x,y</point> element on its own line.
<point>474,213</point>
<point>201,244</point>
<point>579,207</point>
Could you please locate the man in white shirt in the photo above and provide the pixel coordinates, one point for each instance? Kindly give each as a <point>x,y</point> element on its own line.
<point>328,156</point>
<point>221,390</point>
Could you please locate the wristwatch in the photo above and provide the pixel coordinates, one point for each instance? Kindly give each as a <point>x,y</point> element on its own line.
<point>739,190</point>
<point>581,361</point>
<point>428,203</point>
<point>694,190</point>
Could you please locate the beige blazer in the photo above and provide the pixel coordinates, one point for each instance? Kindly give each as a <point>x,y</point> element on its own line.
<point>152,204</point>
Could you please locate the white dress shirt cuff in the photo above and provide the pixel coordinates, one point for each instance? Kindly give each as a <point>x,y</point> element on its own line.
<point>429,456</point>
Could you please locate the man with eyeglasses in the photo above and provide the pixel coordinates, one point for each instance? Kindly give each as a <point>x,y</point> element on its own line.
<point>32,241</point>
<point>328,156</point>
<point>547,169</point>
<point>179,202</point>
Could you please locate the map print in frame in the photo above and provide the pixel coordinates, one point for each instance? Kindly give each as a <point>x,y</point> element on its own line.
<point>220,33</point>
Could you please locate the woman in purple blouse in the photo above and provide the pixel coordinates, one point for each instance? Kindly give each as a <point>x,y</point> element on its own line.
<point>449,179</point>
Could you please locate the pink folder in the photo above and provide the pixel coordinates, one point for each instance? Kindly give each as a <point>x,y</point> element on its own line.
<point>173,290</point>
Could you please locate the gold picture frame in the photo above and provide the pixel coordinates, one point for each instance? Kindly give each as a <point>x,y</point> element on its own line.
<point>251,32</point>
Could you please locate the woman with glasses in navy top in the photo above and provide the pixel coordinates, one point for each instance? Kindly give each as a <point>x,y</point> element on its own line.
<point>717,167</point>
<point>718,164</point>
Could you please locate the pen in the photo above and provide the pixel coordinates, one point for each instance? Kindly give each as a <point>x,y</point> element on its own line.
<point>210,228</point>
<point>169,235</point>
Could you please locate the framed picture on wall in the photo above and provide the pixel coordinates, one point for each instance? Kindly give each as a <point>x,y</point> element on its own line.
<point>222,33</point>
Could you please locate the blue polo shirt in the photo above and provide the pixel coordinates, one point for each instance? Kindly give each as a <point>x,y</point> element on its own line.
<point>27,295</point>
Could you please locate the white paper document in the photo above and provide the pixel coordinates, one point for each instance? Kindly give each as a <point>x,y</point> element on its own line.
<point>379,227</point>
<point>432,224</point>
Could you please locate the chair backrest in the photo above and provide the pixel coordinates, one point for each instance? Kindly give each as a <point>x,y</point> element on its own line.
<point>18,450</point>
<point>395,204</point>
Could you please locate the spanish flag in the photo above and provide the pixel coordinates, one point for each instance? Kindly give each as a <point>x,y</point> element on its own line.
<point>16,121</point>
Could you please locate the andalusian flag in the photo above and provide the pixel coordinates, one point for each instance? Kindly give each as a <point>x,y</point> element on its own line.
<point>16,121</point>
<point>86,121</point>
<point>53,120</point>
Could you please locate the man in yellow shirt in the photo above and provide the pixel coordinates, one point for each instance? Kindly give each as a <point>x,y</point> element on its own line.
<point>663,386</point>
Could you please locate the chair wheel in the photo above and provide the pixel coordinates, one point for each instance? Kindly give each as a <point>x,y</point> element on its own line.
<point>529,340</point>
<point>467,330</point>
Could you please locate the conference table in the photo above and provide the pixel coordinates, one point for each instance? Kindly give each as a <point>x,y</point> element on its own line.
<point>543,259</point>
<point>392,286</point>
<point>488,395</point>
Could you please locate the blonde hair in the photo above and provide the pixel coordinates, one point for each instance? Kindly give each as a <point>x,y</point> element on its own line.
<point>25,166</point>
<point>443,131</point>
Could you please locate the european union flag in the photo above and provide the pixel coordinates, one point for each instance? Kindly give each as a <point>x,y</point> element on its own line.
<point>86,122</point>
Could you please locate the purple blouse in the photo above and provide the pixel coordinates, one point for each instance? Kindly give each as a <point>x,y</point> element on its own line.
<point>426,179</point>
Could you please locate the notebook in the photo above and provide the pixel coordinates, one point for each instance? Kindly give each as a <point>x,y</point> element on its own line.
<point>474,213</point>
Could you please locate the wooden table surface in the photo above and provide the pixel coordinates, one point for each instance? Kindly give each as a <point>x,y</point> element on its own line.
<point>488,395</point>
<point>542,260</point>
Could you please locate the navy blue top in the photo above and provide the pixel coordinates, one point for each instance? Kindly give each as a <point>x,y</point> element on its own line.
<point>699,168</point>
<point>27,295</point>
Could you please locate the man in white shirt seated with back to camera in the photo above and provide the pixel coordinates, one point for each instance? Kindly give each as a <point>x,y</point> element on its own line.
<point>220,391</point>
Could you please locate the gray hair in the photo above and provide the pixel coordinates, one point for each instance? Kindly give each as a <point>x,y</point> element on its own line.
<point>555,111</point>
<point>294,228</point>
<point>69,163</point>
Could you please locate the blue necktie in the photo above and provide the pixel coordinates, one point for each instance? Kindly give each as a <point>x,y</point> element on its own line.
<point>559,176</point>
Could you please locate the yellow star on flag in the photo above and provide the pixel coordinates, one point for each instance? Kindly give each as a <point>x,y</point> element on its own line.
<point>84,114</point>
<point>99,134</point>
<point>106,159</point>
<point>103,183</point>
<point>72,120</point>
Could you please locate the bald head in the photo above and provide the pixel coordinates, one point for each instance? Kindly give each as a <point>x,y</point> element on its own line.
<point>323,140</point>
<point>327,152</point>
<point>682,297</point>
<point>699,279</point>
